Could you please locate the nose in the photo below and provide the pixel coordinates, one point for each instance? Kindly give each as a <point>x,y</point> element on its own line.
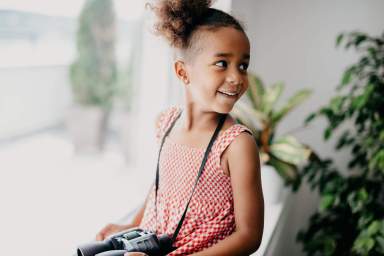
<point>234,78</point>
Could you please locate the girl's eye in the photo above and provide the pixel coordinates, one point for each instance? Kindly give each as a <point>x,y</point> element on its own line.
<point>222,64</point>
<point>244,66</point>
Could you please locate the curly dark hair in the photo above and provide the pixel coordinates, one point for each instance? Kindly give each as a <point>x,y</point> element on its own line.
<point>179,19</point>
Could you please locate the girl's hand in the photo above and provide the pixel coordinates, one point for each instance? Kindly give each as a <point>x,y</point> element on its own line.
<point>111,229</point>
<point>135,254</point>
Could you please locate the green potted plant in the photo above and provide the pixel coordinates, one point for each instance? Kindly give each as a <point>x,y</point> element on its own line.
<point>350,217</point>
<point>93,75</point>
<point>280,156</point>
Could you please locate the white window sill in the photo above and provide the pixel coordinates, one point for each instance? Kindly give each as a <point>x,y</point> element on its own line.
<point>273,215</point>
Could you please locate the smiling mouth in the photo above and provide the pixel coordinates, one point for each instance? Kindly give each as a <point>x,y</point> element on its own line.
<point>229,94</point>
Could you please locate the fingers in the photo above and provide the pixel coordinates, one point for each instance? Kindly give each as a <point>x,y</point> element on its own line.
<point>99,237</point>
<point>103,233</point>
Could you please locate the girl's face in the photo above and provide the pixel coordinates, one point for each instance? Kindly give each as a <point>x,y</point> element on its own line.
<point>218,73</point>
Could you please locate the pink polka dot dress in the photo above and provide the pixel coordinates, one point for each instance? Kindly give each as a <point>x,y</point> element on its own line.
<point>210,216</point>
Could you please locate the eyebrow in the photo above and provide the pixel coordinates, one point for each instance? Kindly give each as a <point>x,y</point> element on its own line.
<point>222,54</point>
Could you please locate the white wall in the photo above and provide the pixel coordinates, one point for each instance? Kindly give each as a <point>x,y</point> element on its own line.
<point>32,98</point>
<point>294,41</point>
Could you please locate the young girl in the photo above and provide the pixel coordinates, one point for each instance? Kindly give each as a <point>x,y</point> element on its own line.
<point>226,213</point>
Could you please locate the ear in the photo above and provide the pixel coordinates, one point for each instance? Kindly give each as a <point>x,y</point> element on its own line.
<point>181,71</point>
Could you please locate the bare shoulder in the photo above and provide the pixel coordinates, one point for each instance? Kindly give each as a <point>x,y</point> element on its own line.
<point>243,155</point>
<point>244,145</point>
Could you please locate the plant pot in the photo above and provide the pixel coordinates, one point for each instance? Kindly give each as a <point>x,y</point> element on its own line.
<point>272,184</point>
<point>87,127</point>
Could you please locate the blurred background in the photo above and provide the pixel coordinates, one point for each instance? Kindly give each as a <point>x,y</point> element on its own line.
<point>81,83</point>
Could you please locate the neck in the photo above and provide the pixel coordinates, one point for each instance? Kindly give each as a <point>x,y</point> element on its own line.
<point>194,118</point>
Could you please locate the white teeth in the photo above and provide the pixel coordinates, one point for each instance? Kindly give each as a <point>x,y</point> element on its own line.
<point>229,93</point>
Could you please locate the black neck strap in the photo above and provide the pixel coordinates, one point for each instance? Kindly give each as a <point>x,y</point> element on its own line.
<point>218,128</point>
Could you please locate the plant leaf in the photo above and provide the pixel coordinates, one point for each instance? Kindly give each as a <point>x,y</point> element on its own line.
<point>255,91</point>
<point>270,97</point>
<point>326,201</point>
<point>310,118</point>
<point>293,102</point>
<point>246,120</point>
<point>363,245</point>
<point>339,39</point>
<point>252,114</point>
<point>347,76</point>
<point>373,228</point>
<point>287,171</point>
<point>288,149</point>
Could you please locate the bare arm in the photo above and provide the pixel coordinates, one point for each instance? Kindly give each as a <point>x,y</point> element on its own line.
<point>244,166</point>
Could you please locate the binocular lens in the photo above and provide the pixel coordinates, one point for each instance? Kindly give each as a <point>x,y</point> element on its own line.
<point>112,253</point>
<point>94,248</point>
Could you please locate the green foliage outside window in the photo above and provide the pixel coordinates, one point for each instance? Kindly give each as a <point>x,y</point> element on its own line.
<point>93,74</point>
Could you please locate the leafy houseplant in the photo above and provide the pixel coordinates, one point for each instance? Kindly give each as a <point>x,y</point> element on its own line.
<point>262,116</point>
<point>350,218</point>
<point>93,74</point>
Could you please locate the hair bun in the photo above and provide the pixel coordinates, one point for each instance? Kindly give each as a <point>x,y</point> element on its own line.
<point>177,18</point>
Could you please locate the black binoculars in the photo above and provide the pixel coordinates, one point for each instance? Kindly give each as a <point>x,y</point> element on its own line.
<point>131,240</point>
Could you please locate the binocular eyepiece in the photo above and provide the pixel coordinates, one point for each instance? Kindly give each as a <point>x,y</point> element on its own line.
<point>131,240</point>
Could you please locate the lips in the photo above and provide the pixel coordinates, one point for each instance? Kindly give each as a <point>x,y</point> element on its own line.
<point>229,93</point>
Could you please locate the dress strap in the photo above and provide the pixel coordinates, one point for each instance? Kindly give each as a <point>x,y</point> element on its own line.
<point>226,139</point>
<point>166,118</point>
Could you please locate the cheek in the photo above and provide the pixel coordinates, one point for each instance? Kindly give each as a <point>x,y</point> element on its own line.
<point>199,76</point>
<point>209,82</point>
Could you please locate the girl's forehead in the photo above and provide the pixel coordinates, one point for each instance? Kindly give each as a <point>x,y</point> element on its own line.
<point>224,40</point>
